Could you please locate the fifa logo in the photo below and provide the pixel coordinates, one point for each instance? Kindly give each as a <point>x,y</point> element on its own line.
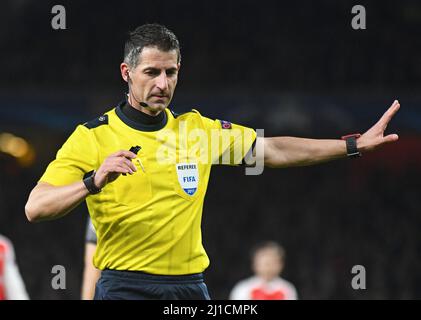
<point>189,179</point>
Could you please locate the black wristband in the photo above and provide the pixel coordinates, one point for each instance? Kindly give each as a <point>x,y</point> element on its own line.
<point>88,180</point>
<point>351,145</point>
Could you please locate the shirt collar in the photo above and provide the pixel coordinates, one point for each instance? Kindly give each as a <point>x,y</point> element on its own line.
<point>139,120</point>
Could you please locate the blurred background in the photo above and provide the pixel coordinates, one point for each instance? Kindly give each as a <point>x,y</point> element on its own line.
<point>292,68</point>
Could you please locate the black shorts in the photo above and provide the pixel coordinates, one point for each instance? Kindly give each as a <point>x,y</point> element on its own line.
<point>135,285</point>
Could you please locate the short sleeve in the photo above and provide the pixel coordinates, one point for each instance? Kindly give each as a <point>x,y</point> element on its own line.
<point>77,156</point>
<point>229,143</point>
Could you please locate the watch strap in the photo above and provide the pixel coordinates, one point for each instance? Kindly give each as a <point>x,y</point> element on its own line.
<point>351,145</point>
<point>88,180</point>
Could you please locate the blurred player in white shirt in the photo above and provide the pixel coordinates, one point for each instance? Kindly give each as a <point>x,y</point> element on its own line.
<point>266,284</point>
<point>11,283</point>
<point>90,273</point>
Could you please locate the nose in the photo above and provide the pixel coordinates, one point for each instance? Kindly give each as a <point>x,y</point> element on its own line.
<point>162,81</point>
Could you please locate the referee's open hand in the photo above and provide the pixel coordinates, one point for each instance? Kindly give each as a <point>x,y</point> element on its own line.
<point>375,137</point>
<point>114,165</point>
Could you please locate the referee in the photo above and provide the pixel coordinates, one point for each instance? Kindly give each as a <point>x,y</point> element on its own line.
<point>146,204</point>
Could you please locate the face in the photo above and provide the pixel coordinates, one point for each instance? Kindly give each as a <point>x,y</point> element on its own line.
<point>267,264</point>
<point>154,79</point>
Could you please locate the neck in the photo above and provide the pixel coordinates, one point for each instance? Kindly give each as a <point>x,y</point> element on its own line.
<point>266,279</point>
<point>136,105</point>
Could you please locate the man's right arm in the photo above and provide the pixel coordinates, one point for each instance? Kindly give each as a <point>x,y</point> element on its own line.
<point>48,202</point>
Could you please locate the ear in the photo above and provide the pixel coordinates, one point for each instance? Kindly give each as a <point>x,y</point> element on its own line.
<point>124,70</point>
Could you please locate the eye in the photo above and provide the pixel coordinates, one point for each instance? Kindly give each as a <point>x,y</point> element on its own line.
<point>152,72</point>
<point>171,72</point>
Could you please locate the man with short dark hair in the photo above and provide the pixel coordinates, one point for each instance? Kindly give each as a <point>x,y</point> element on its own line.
<point>268,260</point>
<point>143,170</point>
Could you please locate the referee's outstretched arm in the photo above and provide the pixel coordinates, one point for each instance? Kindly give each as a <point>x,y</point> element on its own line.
<point>48,202</point>
<point>282,152</point>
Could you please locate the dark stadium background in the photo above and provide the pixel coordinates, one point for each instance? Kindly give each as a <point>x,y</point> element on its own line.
<point>292,68</point>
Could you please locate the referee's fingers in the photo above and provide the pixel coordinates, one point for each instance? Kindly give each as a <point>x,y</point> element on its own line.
<point>388,115</point>
<point>124,163</point>
<point>129,163</point>
<point>121,169</point>
<point>125,153</point>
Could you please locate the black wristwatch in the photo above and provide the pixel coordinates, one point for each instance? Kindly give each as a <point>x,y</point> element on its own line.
<point>351,145</point>
<point>88,180</point>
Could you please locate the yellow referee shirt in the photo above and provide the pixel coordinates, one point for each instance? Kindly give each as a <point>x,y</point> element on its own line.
<point>151,221</point>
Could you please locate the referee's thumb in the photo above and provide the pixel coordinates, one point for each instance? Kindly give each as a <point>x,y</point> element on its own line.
<point>391,138</point>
